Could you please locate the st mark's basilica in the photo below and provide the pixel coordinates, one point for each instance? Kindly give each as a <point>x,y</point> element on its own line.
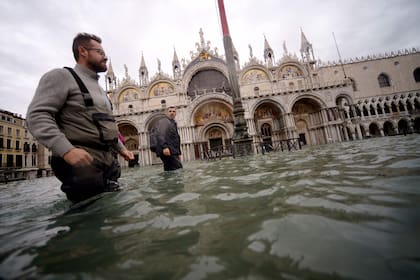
<point>286,99</point>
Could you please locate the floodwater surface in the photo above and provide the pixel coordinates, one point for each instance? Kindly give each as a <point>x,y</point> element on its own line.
<point>342,211</point>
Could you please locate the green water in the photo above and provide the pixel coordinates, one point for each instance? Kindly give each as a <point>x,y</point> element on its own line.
<point>342,211</point>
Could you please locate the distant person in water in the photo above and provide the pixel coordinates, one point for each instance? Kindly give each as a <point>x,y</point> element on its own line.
<point>72,116</point>
<point>168,141</point>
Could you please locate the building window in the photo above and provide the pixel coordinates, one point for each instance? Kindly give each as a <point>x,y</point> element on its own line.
<point>9,144</point>
<point>416,74</point>
<point>1,130</point>
<point>17,132</point>
<point>383,80</point>
<point>17,145</point>
<point>9,162</point>
<point>9,131</point>
<point>34,148</point>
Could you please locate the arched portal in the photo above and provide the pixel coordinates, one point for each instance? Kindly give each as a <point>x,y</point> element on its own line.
<point>307,113</point>
<point>416,125</point>
<point>388,128</point>
<point>208,81</point>
<point>268,120</point>
<point>131,140</point>
<point>403,126</point>
<point>213,124</point>
<point>374,130</point>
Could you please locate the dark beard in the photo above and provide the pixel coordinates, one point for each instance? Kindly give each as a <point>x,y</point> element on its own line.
<point>98,67</point>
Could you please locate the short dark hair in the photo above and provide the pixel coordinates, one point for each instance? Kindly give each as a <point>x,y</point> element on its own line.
<point>83,39</point>
<point>170,107</point>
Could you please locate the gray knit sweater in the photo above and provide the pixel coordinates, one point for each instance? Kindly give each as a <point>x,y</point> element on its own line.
<point>58,92</point>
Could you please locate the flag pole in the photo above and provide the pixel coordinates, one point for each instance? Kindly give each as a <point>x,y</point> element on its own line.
<point>241,140</point>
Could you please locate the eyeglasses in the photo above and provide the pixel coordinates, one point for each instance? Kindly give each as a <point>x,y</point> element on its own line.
<point>99,51</point>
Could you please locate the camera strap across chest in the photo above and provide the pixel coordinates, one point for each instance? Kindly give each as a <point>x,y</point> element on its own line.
<point>85,92</point>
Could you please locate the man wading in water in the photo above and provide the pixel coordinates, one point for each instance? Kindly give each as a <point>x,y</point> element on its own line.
<point>72,115</point>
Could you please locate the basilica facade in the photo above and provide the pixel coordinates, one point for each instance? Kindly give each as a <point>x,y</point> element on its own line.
<point>286,99</point>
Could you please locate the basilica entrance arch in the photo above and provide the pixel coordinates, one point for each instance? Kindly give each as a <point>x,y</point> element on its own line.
<point>309,121</point>
<point>131,137</point>
<point>213,124</point>
<point>217,136</point>
<point>269,122</point>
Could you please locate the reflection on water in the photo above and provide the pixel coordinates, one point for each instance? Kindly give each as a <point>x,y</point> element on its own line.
<point>342,211</point>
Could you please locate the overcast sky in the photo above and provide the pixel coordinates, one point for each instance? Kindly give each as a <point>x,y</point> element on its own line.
<point>36,35</point>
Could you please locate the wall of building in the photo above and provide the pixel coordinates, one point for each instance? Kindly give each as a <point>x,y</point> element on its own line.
<point>21,157</point>
<point>292,98</point>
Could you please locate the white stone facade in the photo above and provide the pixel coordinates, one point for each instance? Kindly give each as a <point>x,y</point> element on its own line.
<point>292,98</point>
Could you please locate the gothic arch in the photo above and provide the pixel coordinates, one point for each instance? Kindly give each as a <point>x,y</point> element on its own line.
<point>127,93</point>
<point>290,70</point>
<point>271,101</point>
<point>152,120</point>
<point>389,128</point>
<point>226,132</point>
<point>254,74</point>
<point>374,130</point>
<point>127,122</point>
<point>208,81</point>
<point>192,70</point>
<point>161,87</point>
<point>130,134</point>
<point>211,110</point>
<point>403,126</point>
<point>312,98</point>
<point>268,111</point>
<point>307,113</point>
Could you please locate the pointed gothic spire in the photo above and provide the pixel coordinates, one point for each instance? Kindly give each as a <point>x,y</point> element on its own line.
<point>305,45</point>
<point>175,59</point>
<point>176,66</point>
<point>110,69</point>
<point>110,79</point>
<point>268,53</point>
<point>266,44</point>
<point>142,63</point>
<point>306,50</point>
<point>143,73</point>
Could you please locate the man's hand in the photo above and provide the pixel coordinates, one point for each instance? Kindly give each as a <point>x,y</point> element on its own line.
<point>78,157</point>
<point>127,155</point>
<point>166,152</point>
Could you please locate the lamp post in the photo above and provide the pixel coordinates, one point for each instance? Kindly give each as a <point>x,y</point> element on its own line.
<point>241,140</point>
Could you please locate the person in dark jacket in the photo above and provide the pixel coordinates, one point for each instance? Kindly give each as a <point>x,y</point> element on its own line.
<point>168,141</point>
